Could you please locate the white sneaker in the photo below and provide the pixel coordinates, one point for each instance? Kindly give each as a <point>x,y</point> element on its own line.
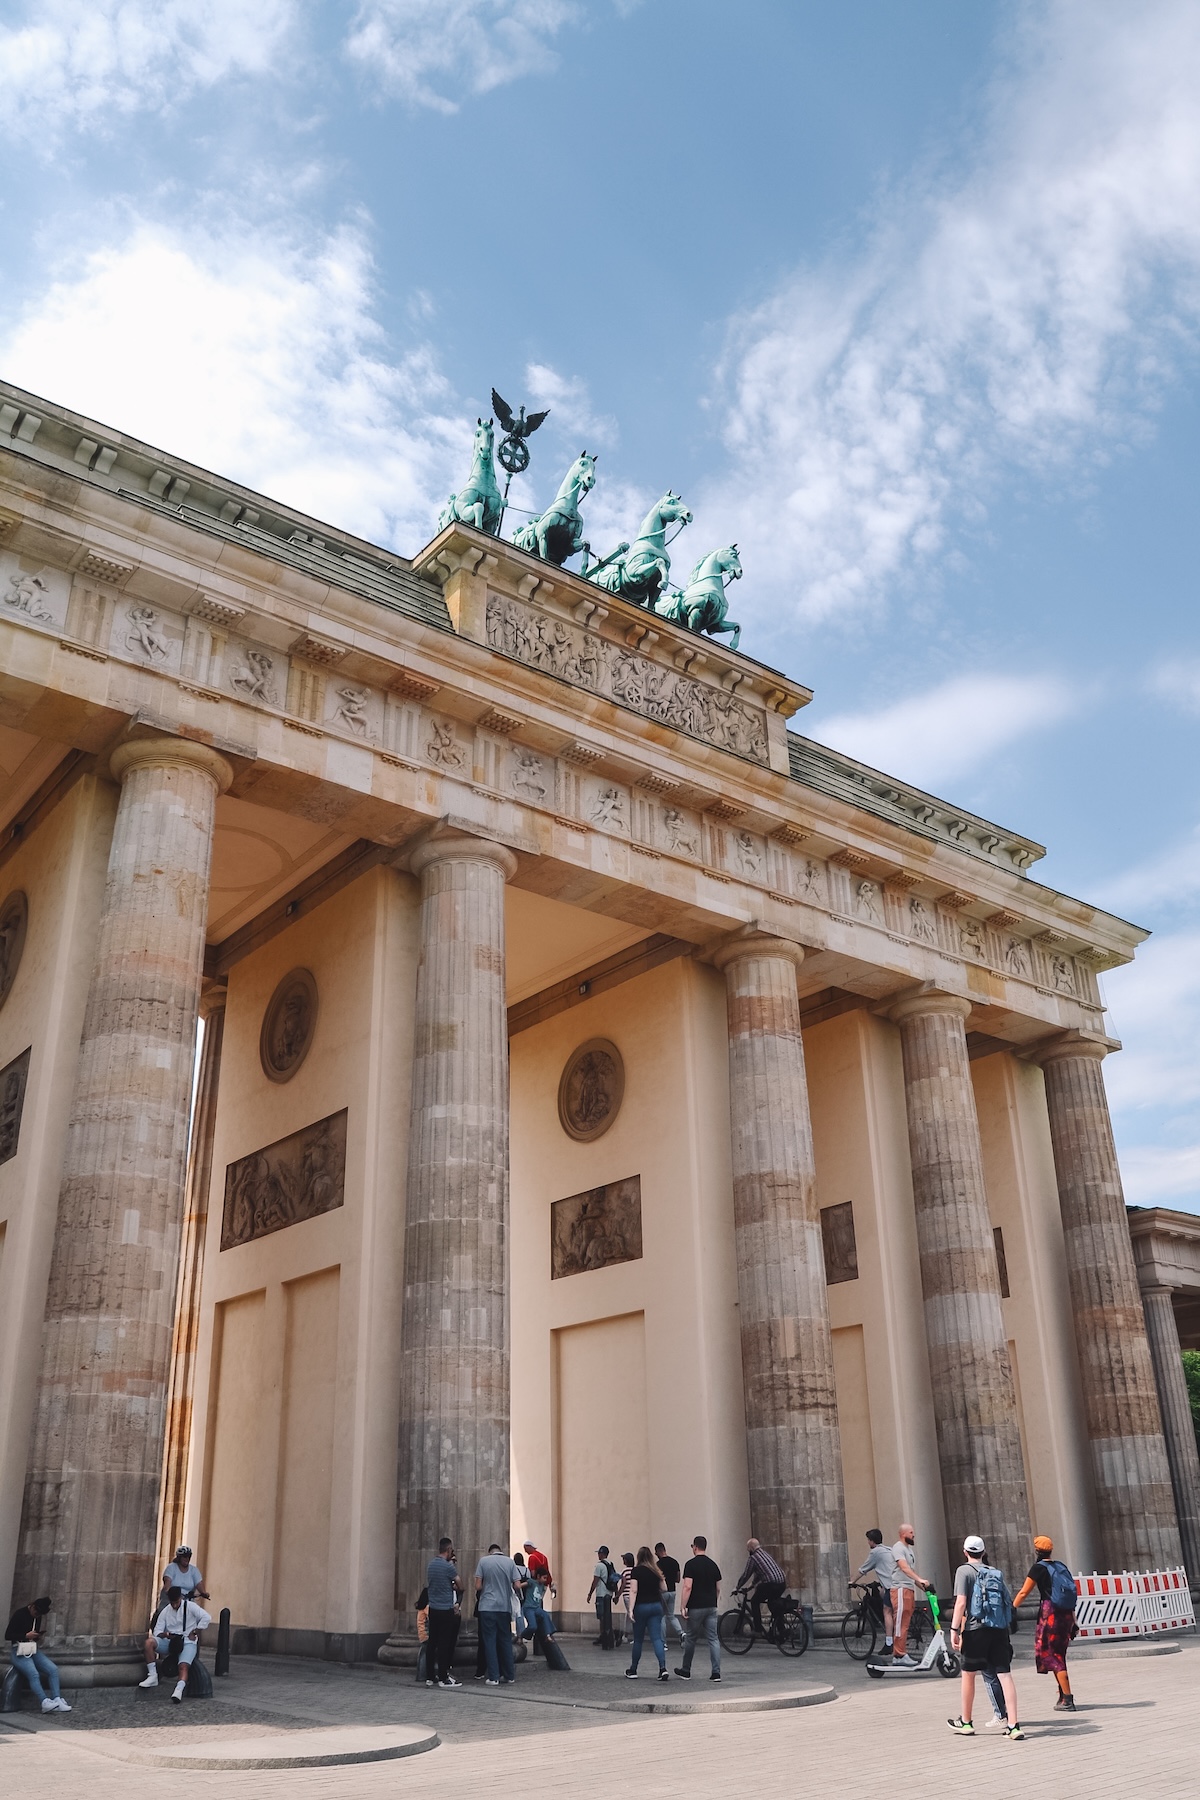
<point>903,1662</point>
<point>177,1696</point>
<point>449,1682</point>
<point>60,1705</point>
<point>49,1705</point>
<point>151,1680</point>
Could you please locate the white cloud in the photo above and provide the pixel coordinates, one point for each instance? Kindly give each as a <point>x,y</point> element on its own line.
<point>1154,1176</point>
<point>943,734</point>
<point>1021,314</point>
<point>258,356</point>
<point>1169,881</point>
<point>79,62</point>
<point>1154,1007</point>
<point>567,397</point>
<point>419,49</point>
<point>1179,682</point>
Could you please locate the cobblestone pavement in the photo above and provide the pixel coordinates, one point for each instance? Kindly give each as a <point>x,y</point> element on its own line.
<point>1135,1731</point>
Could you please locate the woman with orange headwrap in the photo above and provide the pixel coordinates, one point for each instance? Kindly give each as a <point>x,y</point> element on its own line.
<point>1056,1618</point>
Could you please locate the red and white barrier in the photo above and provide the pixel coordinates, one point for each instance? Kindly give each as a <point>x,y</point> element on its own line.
<point>1116,1606</point>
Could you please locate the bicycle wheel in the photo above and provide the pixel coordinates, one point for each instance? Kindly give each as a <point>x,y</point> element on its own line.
<point>793,1634</point>
<point>858,1635</point>
<point>735,1632</point>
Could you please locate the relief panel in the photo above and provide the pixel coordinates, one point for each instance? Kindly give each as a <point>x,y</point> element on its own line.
<point>146,635</point>
<point>13,1079</point>
<point>597,1228</point>
<point>298,1177</point>
<point>32,593</point>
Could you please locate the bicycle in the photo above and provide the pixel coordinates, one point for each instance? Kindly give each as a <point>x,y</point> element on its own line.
<point>738,1628</point>
<point>863,1623</point>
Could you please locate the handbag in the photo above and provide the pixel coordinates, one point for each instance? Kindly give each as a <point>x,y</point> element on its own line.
<point>24,1648</point>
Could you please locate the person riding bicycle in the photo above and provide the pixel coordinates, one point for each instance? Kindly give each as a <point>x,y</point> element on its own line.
<point>764,1581</point>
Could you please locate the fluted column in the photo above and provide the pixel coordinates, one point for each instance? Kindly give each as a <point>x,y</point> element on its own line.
<point>974,1395</point>
<point>186,1333</point>
<point>454,1383</point>
<point>92,1484</point>
<point>793,1446</point>
<point>1162,1331</point>
<point>1134,1500</point>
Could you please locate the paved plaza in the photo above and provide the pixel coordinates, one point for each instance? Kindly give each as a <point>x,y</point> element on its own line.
<point>1135,1732</point>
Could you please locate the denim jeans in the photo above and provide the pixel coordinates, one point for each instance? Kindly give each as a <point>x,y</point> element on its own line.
<point>991,1682</point>
<point>648,1617</point>
<point>670,1617</point>
<point>495,1628</point>
<point>701,1622</point>
<point>535,1619</point>
<point>33,1668</point>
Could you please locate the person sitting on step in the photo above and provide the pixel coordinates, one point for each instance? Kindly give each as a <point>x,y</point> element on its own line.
<point>25,1630</point>
<point>176,1630</point>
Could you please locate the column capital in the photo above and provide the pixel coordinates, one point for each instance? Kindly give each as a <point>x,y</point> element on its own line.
<point>166,752</point>
<point>927,999</point>
<point>449,843</point>
<point>1076,1045</point>
<point>751,943</point>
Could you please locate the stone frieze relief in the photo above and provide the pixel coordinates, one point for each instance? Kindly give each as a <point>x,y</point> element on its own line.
<point>634,681</point>
<point>298,1177</point>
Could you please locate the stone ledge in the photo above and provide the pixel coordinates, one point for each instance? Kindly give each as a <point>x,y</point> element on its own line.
<point>814,1694</point>
<point>289,1750</point>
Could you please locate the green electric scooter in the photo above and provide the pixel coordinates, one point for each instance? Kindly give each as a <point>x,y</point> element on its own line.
<point>938,1659</point>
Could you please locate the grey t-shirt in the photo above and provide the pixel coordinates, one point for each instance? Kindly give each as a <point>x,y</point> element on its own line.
<point>601,1574</point>
<point>186,1580</point>
<point>909,1553</point>
<point>497,1574</point>
<point>882,1564</point>
<point>440,1577</point>
<point>964,1584</point>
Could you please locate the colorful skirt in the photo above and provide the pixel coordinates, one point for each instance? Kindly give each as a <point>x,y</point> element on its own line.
<point>1053,1639</point>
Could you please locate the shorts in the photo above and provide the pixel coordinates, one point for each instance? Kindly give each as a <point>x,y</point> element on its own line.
<point>185,1648</point>
<point>987,1647</point>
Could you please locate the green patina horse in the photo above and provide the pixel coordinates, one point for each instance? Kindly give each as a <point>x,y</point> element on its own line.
<point>638,571</point>
<point>479,503</point>
<point>558,532</point>
<point>701,606</point>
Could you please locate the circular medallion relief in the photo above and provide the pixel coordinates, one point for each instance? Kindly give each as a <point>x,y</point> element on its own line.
<point>591,1090</point>
<point>14,917</point>
<point>288,1025</point>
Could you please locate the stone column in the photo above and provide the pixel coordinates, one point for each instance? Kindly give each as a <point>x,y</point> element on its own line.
<point>96,1454</point>
<point>454,1381</point>
<point>1162,1331</point>
<point>1135,1504</point>
<point>186,1332</point>
<point>974,1396</point>
<point>793,1445</point>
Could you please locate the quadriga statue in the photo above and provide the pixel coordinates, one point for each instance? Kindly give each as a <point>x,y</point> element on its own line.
<point>638,571</point>
<point>702,606</point>
<point>479,503</point>
<point>558,532</point>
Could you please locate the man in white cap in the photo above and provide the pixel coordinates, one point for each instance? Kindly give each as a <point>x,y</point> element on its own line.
<point>980,1635</point>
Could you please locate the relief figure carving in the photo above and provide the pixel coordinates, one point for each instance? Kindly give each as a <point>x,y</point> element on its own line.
<point>866,900</point>
<point>632,680</point>
<point>254,677</point>
<point>526,776</point>
<point>1016,956</point>
<point>288,1025</point>
<point>748,854</point>
<point>596,1229</point>
<point>351,710</point>
<point>13,1079</point>
<point>680,835</point>
<point>591,1090</point>
<point>970,938</point>
<point>299,1177</point>
<point>921,922</point>
<point>14,921</point>
<point>1063,974</point>
<point>28,594</point>
<point>143,637</point>
<point>608,808</point>
<point>443,747</point>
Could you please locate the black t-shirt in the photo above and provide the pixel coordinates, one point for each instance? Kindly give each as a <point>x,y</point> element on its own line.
<point>704,1575</point>
<point>1042,1575</point>
<point>21,1624</point>
<point>670,1569</point>
<point>648,1585</point>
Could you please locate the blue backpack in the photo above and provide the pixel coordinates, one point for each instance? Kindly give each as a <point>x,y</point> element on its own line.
<point>1063,1597</point>
<point>991,1603</point>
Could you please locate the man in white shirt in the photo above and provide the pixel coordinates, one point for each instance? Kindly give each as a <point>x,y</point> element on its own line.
<point>180,1622</point>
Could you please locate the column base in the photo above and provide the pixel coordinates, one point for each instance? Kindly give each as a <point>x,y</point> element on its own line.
<point>81,1666</point>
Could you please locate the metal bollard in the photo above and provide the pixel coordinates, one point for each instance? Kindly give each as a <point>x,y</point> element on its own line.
<point>221,1666</point>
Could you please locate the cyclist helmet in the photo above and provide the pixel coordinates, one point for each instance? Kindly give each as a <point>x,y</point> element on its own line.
<point>184,1550</point>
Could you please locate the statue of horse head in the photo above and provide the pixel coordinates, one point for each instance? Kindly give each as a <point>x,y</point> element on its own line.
<point>583,472</point>
<point>671,508</point>
<point>485,438</point>
<point>724,562</point>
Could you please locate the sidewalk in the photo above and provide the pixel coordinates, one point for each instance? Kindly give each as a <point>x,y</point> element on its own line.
<point>1135,1730</point>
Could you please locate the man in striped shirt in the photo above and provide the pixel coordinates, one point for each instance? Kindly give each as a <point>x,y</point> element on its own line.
<point>765,1581</point>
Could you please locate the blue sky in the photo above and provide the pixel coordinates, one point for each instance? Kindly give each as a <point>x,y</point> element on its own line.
<point>906,299</point>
